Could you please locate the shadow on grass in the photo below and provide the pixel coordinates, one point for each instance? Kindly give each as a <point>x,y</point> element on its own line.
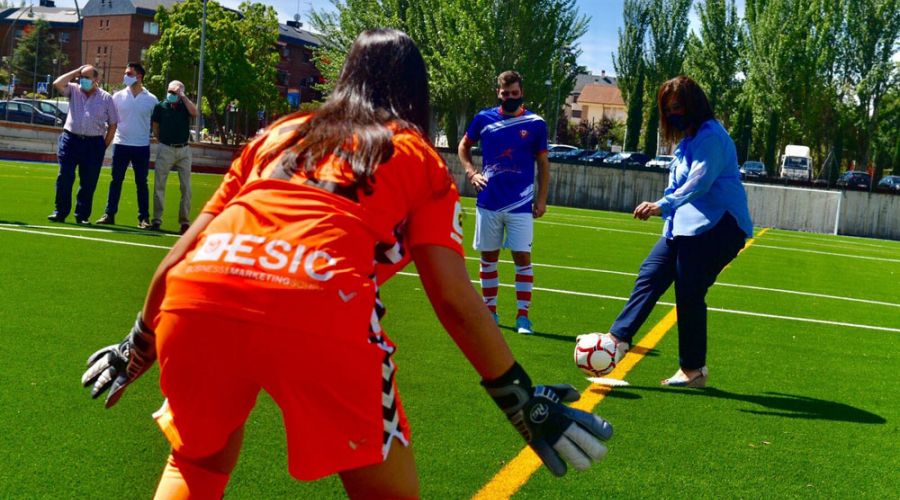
<point>776,404</point>
<point>108,229</point>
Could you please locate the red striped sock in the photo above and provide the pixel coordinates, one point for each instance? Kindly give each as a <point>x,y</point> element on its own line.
<point>524,284</point>
<point>490,282</point>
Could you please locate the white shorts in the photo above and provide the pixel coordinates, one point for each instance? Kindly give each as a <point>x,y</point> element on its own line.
<point>489,227</point>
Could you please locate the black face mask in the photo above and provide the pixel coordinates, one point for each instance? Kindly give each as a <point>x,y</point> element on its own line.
<point>678,121</point>
<point>511,105</point>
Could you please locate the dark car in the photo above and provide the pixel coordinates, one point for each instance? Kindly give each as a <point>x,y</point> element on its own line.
<point>627,159</point>
<point>21,112</point>
<point>890,183</point>
<point>574,154</point>
<point>753,170</point>
<point>48,107</point>
<point>855,179</point>
<point>595,157</point>
<point>559,150</point>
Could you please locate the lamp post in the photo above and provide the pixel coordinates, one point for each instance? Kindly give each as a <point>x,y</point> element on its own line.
<point>58,62</point>
<point>200,77</point>
<point>37,47</point>
<point>11,34</point>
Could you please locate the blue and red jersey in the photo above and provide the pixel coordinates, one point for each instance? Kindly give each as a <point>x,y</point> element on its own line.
<point>509,147</point>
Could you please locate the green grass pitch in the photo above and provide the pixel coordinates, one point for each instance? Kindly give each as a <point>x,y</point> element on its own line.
<point>804,399</point>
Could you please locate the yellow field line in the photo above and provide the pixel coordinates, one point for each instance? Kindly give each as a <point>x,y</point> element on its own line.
<point>517,472</point>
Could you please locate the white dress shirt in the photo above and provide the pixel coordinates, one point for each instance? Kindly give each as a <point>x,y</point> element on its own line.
<point>134,117</point>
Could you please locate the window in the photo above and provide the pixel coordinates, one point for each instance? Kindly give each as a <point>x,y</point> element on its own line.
<point>287,52</point>
<point>143,54</point>
<point>64,37</point>
<point>19,32</point>
<point>13,106</point>
<point>101,24</point>
<point>576,113</point>
<point>151,28</point>
<point>283,77</point>
<point>98,50</point>
<point>107,24</point>
<point>305,56</point>
<point>102,3</point>
<point>104,50</point>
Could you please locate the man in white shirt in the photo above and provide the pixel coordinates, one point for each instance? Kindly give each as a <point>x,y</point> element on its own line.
<point>134,105</point>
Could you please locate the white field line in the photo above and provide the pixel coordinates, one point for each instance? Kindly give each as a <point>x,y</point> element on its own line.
<point>87,229</point>
<point>85,238</point>
<point>716,309</point>
<point>850,246</point>
<point>841,238</point>
<point>733,285</point>
<point>623,219</point>
<point>848,256</point>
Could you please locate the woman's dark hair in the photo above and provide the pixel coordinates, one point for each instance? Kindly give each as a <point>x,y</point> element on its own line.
<point>384,80</point>
<point>692,98</point>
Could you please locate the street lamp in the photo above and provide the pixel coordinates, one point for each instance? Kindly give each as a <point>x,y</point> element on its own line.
<point>11,33</point>
<point>37,47</point>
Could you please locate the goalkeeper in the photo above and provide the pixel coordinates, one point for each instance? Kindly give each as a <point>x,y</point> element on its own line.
<point>274,287</point>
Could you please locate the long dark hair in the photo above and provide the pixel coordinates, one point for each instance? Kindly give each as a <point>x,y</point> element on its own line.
<point>384,80</point>
<point>696,106</point>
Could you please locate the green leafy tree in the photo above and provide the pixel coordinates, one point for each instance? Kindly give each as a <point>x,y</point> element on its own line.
<point>36,41</point>
<point>466,44</point>
<point>665,57</point>
<point>239,64</point>
<point>713,58</point>
<point>630,68</point>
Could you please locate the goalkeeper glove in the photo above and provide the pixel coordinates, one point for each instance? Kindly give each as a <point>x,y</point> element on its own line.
<point>116,366</point>
<point>554,431</point>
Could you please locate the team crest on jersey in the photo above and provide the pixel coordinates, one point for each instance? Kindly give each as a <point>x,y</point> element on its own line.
<point>523,133</point>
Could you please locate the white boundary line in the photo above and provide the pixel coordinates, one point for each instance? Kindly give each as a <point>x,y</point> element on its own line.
<point>88,229</point>
<point>777,238</point>
<point>716,309</point>
<point>733,285</point>
<point>116,242</point>
<point>843,238</point>
<point>848,256</point>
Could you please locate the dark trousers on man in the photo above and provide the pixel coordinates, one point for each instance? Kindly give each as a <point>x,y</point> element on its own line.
<point>84,154</point>
<point>139,158</point>
<point>693,263</point>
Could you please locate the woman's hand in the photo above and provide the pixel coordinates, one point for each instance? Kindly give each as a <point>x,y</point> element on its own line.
<point>646,209</point>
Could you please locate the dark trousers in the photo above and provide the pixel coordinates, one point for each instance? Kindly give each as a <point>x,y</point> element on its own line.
<point>85,155</point>
<point>693,263</point>
<point>139,157</point>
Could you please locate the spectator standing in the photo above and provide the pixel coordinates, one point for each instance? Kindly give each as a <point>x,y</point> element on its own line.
<point>172,126</point>
<point>89,129</point>
<point>134,104</point>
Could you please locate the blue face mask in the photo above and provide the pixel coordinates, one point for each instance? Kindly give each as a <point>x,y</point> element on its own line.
<point>678,121</point>
<point>87,84</point>
<point>172,98</point>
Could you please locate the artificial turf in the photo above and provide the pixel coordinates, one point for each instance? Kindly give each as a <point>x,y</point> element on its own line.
<point>795,409</point>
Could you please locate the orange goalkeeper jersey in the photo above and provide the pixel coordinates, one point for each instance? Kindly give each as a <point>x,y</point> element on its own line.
<point>293,254</point>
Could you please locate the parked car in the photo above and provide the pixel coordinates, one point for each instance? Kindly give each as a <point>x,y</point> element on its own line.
<point>753,170</point>
<point>557,150</point>
<point>661,161</point>
<point>627,159</point>
<point>575,154</point>
<point>48,107</point>
<point>855,179</point>
<point>21,112</point>
<point>595,157</point>
<point>891,183</point>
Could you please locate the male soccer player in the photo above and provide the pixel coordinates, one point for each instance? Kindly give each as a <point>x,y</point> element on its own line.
<point>512,138</point>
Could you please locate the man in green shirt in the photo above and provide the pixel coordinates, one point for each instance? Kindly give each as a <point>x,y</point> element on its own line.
<point>171,121</point>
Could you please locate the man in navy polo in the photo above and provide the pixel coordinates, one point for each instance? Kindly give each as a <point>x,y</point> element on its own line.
<point>89,129</point>
<point>512,139</point>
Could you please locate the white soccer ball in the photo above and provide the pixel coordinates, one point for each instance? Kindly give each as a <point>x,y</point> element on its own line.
<point>595,354</point>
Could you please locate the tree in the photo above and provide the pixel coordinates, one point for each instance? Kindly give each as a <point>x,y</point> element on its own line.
<point>870,40</point>
<point>36,39</point>
<point>239,65</point>
<point>630,68</point>
<point>713,58</point>
<point>466,45</point>
<point>665,57</point>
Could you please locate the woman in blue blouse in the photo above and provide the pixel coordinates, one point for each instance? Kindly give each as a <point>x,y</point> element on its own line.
<point>706,224</point>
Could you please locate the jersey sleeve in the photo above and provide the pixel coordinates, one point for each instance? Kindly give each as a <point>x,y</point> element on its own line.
<point>437,220</point>
<point>473,133</point>
<point>235,178</point>
<point>540,137</point>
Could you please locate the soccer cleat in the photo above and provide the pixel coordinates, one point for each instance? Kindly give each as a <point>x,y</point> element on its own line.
<point>184,228</point>
<point>83,222</point>
<point>156,226</point>
<point>55,218</point>
<point>496,317</point>
<point>622,348</point>
<point>144,224</point>
<point>523,325</point>
<point>106,219</point>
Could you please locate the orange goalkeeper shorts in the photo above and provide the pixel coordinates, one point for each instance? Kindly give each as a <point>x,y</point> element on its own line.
<point>336,389</point>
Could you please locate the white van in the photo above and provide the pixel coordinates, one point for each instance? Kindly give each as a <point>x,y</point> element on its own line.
<point>796,164</point>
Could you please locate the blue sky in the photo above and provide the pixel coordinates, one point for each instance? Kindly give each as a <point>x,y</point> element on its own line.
<point>597,45</point>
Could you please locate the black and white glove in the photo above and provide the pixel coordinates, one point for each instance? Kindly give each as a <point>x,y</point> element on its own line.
<point>554,431</point>
<point>116,366</point>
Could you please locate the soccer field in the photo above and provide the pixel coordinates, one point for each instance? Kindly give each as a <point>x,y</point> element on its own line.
<point>804,336</point>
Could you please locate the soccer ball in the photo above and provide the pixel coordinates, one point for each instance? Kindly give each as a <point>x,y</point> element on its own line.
<point>595,354</point>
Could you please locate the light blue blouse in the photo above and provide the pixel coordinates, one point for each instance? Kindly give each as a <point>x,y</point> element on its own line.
<point>704,183</point>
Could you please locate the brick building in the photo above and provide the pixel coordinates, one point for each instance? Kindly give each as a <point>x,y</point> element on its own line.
<point>64,30</point>
<point>297,72</point>
<point>115,32</point>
